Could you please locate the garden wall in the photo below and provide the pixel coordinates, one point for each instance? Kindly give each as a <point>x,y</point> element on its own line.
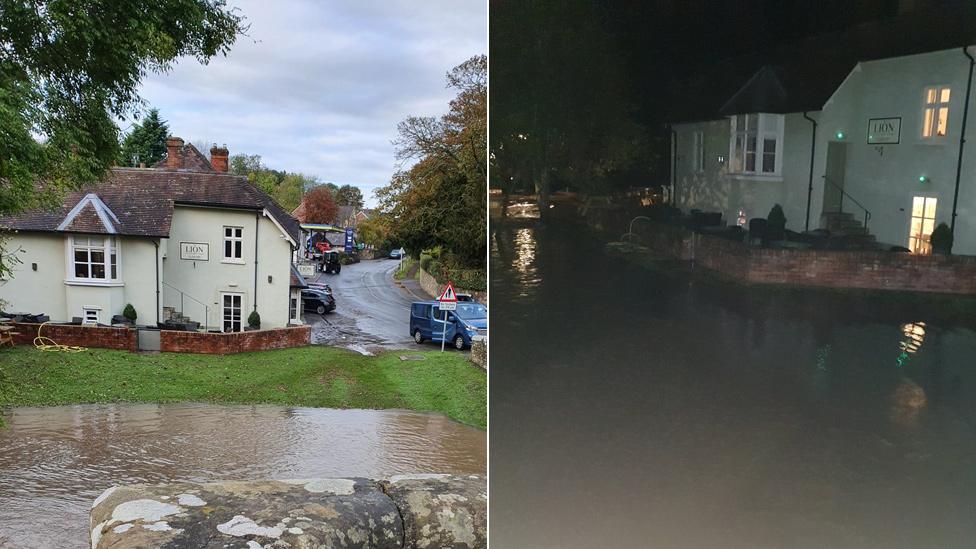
<point>877,270</point>
<point>231,343</point>
<point>103,337</point>
<point>433,287</point>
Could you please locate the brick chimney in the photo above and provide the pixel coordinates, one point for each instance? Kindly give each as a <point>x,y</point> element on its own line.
<point>218,158</point>
<point>174,153</point>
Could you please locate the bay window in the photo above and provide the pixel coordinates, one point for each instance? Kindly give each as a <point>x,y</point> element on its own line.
<point>93,258</point>
<point>756,144</point>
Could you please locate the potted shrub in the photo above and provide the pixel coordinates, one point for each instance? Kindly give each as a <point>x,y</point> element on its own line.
<point>254,321</point>
<point>941,239</point>
<point>776,223</point>
<point>129,312</point>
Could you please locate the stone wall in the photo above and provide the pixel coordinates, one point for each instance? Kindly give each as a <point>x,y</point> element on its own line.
<point>401,512</point>
<point>433,287</point>
<point>231,343</point>
<point>102,337</point>
<point>876,270</point>
<point>479,352</point>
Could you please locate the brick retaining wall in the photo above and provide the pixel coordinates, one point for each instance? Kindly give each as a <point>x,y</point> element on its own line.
<point>876,270</point>
<point>103,337</point>
<point>231,343</point>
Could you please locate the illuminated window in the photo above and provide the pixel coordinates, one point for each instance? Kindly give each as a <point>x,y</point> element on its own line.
<point>935,116</point>
<point>757,140</point>
<point>923,223</point>
<point>698,154</point>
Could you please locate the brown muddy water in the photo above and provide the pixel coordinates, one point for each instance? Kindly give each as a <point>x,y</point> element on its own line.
<point>55,461</point>
<point>657,407</point>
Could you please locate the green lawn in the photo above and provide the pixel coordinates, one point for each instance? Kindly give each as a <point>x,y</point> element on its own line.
<point>306,376</point>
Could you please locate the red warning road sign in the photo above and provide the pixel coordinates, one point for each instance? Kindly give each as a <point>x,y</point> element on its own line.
<point>448,298</point>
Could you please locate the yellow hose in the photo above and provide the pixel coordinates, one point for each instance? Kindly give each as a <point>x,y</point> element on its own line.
<point>42,343</point>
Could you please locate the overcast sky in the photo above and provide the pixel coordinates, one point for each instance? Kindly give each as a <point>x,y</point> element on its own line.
<point>319,86</point>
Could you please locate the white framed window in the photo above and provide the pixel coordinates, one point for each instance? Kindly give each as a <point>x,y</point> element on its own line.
<point>234,244</point>
<point>922,224</point>
<point>756,144</point>
<point>935,113</point>
<point>90,315</point>
<point>231,309</point>
<point>698,151</point>
<point>93,259</point>
<point>295,307</point>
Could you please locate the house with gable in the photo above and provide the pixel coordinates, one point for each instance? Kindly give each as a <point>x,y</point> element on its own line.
<point>182,240</point>
<point>861,132</point>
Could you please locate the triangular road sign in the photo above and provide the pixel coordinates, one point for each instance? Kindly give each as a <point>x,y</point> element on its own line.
<point>448,294</point>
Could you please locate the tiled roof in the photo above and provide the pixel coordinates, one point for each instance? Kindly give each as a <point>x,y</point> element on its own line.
<point>142,200</point>
<point>193,160</point>
<point>297,280</point>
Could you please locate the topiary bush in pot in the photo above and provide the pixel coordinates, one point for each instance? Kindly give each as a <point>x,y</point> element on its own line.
<point>776,223</point>
<point>941,239</point>
<point>129,312</point>
<point>254,320</point>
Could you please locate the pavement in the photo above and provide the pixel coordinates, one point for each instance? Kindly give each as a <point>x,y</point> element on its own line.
<point>372,309</point>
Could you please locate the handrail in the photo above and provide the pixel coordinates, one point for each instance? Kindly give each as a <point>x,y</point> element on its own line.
<point>630,230</point>
<point>843,193</point>
<point>206,309</point>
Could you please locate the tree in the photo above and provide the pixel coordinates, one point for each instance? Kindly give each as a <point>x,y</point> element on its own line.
<point>245,164</point>
<point>70,69</point>
<point>440,199</point>
<point>320,207</point>
<point>347,195</point>
<point>146,143</point>
<point>375,231</point>
<point>286,188</point>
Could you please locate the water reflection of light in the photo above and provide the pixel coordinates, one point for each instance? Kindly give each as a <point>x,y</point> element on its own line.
<point>914,337</point>
<point>523,210</point>
<point>524,261</point>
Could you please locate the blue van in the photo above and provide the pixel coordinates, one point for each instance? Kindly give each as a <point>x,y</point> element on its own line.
<point>427,322</point>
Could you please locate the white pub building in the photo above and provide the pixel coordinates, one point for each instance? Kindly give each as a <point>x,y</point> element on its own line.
<point>865,125</point>
<point>182,240</point>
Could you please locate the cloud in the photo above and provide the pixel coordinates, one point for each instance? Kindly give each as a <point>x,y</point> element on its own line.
<point>318,87</point>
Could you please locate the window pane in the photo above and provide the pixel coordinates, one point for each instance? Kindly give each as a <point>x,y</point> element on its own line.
<point>769,145</point>
<point>943,121</point>
<point>752,121</point>
<point>930,95</point>
<point>98,256</point>
<point>918,204</point>
<point>81,256</point>
<point>81,270</point>
<point>237,250</point>
<point>227,247</point>
<point>98,270</point>
<point>737,157</point>
<point>945,95</point>
<point>238,232</point>
<point>769,163</point>
<point>930,207</point>
<point>916,226</point>
<point>750,162</point>
<point>751,143</point>
<point>228,231</point>
<point>927,126</point>
<point>927,226</point>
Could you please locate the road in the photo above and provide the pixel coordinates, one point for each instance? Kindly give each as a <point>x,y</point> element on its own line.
<point>372,313</point>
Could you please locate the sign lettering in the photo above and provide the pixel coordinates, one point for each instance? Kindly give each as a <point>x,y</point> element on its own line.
<point>195,251</point>
<point>884,131</point>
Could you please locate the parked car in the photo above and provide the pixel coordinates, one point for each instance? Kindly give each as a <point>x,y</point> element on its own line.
<point>318,300</point>
<point>320,286</point>
<point>464,297</point>
<point>427,322</point>
<point>396,253</point>
<point>330,262</point>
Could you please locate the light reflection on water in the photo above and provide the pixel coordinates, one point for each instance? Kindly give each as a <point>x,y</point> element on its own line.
<point>691,413</point>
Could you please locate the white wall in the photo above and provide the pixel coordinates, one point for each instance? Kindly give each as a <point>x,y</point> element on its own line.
<point>206,280</point>
<point>716,190</point>
<point>41,291</point>
<point>885,177</point>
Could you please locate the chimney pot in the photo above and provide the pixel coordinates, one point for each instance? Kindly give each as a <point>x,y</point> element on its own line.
<point>218,158</point>
<point>174,153</point>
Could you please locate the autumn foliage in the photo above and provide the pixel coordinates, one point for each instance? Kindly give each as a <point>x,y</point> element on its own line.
<point>320,205</point>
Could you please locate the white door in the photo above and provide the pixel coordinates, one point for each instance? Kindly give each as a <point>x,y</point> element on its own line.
<point>231,310</point>
<point>923,223</point>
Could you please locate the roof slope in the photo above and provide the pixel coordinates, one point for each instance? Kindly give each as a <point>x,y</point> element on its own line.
<point>803,75</point>
<point>193,160</point>
<point>142,200</point>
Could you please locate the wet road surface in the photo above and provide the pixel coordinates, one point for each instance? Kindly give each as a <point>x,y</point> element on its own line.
<point>656,407</point>
<point>372,313</point>
<point>55,461</point>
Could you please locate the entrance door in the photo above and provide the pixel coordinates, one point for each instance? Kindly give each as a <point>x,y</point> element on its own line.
<point>231,310</point>
<point>923,222</point>
<point>834,178</point>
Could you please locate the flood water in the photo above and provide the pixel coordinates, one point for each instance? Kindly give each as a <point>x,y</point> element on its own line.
<point>657,407</point>
<point>55,461</point>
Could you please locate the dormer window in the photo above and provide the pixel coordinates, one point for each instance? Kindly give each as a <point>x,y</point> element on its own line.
<point>93,259</point>
<point>756,144</point>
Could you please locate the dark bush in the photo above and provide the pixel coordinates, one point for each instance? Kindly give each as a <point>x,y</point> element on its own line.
<point>129,312</point>
<point>942,239</point>
<point>254,320</point>
<point>776,223</point>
